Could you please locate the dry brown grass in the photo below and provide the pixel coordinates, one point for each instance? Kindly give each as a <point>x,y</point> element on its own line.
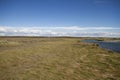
<point>56,59</point>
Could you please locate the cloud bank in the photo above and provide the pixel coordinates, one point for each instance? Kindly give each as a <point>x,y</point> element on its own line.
<point>61,31</point>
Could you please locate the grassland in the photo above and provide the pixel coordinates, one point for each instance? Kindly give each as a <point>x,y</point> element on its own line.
<point>30,58</point>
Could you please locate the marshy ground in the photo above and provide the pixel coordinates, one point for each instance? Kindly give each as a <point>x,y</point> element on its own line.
<point>34,58</point>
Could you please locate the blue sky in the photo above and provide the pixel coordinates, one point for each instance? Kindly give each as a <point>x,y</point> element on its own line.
<point>97,17</point>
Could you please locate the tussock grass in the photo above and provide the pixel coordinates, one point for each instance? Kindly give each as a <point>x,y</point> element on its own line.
<point>56,59</point>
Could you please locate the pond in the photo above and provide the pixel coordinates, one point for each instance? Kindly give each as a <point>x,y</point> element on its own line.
<point>113,46</point>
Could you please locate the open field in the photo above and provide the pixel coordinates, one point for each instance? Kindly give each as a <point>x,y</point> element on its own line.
<point>33,58</point>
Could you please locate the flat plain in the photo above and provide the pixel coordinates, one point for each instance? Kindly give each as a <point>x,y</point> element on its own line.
<point>56,58</point>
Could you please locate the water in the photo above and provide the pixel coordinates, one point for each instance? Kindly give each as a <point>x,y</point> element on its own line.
<point>113,46</point>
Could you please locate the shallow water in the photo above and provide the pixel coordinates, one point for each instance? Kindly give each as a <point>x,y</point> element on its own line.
<point>113,46</point>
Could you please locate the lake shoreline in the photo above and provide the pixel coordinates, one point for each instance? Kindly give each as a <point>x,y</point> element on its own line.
<point>108,45</point>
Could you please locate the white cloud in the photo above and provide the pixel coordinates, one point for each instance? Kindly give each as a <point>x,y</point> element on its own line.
<point>2,29</point>
<point>88,28</point>
<point>60,31</point>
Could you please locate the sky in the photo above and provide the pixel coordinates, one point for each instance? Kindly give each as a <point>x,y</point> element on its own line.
<point>84,18</point>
